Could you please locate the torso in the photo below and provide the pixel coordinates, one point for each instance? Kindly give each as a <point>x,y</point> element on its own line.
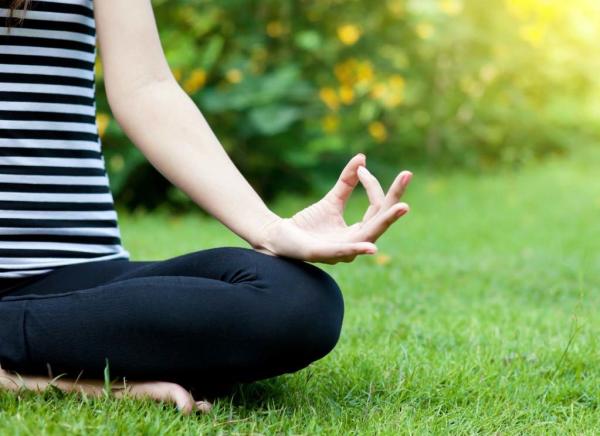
<point>56,207</point>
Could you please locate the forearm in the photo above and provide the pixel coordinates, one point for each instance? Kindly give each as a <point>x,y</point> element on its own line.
<point>168,128</point>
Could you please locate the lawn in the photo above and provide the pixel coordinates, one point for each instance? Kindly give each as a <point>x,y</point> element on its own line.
<point>479,315</point>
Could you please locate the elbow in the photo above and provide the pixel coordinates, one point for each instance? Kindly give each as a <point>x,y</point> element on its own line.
<point>126,96</point>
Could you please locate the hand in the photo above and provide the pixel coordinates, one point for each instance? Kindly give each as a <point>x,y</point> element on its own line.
<point>319,233</point>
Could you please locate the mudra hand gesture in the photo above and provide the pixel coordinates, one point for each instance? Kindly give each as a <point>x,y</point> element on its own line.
<point>319,232</point>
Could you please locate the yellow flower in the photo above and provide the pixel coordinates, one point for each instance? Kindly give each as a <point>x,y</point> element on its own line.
<point>354,72</point>
<point>364,72</point>
<point>382,259</point>
<point>345,71</point>
<point>395,92</point>
<point>102,121</point>
<point>378,90</point>
<point>330,98</point>
<point>397,82</point>
<point>330,123</point>
<point>275,29</point>
<point>234,75</point>
<point>451,7</point>
<point>390,93</point>
<point>378,131</point>
<point>195,81</point>
<point>541,11</point>
<point>346,94</point>
<point>393,98</point>
<point>533,34</point>
<point>425,30</point>
<point>349,34</point>
<point>548,12</point>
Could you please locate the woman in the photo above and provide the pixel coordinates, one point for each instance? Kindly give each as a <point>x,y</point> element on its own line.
<point>73,303</point>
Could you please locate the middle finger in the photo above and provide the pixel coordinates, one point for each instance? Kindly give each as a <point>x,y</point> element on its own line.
<point>374,192</point>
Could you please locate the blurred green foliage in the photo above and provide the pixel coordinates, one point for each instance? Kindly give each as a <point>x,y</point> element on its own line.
<point>293,88</point>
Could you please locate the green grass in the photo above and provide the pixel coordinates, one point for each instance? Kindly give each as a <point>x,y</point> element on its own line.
<point>484,319</point>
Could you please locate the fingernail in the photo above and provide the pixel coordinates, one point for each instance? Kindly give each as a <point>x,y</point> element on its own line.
<point>403,210</point>
<point>366,171</point>
<point>372,249</point>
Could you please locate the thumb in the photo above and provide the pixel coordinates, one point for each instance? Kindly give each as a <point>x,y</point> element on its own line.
<point>336,250</point>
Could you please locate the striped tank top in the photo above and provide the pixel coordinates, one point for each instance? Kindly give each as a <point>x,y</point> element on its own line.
<point>56,207</point>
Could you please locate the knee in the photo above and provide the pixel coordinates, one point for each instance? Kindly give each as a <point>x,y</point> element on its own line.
<point>314,311</point>
<point>322,315</point>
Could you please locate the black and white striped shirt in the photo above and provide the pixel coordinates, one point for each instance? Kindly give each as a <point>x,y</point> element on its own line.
<point>56,207</point>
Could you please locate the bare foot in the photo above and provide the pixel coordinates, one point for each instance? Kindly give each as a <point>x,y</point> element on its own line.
<point>156,390</point>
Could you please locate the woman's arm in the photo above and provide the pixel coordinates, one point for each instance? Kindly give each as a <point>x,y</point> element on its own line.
<point>168,128</point>
<point>164,123</point>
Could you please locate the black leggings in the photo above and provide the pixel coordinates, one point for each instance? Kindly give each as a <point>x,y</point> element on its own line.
<point>215,316</point>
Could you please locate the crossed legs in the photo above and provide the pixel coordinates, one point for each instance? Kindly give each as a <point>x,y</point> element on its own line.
<point>216,316</point>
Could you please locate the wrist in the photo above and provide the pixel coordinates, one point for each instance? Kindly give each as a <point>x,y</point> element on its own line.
<point>260,237</point>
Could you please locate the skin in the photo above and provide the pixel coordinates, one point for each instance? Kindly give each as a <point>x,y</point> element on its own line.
<point>169,129</point>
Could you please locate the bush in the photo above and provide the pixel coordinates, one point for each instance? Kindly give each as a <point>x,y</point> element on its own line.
<point>293,88</point>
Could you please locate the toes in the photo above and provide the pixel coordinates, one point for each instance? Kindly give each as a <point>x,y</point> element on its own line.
<point>203,406</point>
<point>182,398</point>
<point>167,392</point>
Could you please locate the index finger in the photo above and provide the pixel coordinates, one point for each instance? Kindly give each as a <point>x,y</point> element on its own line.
<point>347,181</point>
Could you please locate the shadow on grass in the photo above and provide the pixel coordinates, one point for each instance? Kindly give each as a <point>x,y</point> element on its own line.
<point>322,387</point>
<point>257,395</point>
